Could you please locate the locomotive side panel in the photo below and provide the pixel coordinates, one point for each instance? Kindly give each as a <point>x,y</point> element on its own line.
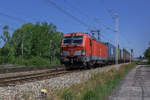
<point>99,50</point>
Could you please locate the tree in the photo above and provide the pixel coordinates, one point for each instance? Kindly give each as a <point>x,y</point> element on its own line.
<point>147,53</point>
<point>40,40</point>
<point>8,43</point>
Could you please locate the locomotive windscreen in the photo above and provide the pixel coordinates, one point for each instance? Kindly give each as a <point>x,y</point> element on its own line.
<point>72,40</point>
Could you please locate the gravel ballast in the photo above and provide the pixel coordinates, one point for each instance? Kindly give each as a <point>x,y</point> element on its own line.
<point>19,92</point>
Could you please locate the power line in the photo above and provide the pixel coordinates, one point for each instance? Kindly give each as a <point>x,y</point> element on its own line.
<point>75,18</point>
<point>79,11</point>
<point>87,16</point>
<point>68,14</point>
<point>106,38</point>
<point>108,28</point>
<point>12,17</point>
<point>111,13</point>
<point>94,20</point>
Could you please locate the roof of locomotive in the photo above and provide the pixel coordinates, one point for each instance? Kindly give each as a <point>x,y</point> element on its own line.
<point>81,33</point>
<point>87,34</point>
<point>76,33</point>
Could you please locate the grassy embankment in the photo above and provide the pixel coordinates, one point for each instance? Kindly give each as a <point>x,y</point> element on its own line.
<point>98,87</point>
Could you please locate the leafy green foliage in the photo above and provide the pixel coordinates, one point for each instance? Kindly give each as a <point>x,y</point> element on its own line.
<point>32,43</point>
<point>37,61</point>
<point>147,54</point>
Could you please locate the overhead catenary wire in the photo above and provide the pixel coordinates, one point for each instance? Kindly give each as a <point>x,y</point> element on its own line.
<point>12,17</point>
<point>94,20</point>
<point>107,27</point>
<point>68,14</point>
<point>87,16</point>
<point>79,11</point>
<point>75,18</point>
<point>111,13</point>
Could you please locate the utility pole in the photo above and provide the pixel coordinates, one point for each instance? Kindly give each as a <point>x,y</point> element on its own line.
<point>117,28</point>
<point>98,33</point>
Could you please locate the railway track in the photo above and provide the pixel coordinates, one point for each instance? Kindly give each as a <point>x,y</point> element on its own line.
<point>20,79</point>
<point>31,77</point>
<point>6,69</point>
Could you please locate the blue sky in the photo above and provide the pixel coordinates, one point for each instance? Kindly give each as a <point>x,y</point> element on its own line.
<point>134,22</point>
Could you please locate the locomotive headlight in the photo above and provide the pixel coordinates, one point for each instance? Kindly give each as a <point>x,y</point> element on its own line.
<point>82,52</point>
<point>65,53</point>
<point>77,52</point>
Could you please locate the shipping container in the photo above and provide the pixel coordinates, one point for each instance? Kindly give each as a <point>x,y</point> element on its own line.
<point>126,55</point>
<point>119,54</point>
<point>111,49</point>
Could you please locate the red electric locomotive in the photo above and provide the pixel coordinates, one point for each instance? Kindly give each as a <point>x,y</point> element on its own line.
<point>82,49</point>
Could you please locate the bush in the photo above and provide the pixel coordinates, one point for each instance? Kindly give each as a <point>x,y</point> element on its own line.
<point>34,61</point>
<point>55,61</point>
<point>19,60</point>
<point>3,59</point>
<point>37,61</point>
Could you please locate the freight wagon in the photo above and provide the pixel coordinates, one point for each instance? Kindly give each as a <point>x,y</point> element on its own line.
<point>111,51</point>
<point>119,55</point>
<point>126,56</point>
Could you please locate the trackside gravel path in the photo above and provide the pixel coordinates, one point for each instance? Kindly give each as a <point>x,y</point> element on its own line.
<point>135,86</point>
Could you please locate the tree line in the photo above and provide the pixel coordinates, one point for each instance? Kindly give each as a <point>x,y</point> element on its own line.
<point>31,44</point>
<point>147,53</point>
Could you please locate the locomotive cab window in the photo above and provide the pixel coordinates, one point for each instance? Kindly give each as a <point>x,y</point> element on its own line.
<point>77,39</point>
<point>72,40</point>
<point>68,37</point>
<point>67,41</point>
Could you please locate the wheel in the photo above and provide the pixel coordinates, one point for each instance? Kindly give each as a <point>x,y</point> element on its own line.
<point>90,65</point>
<point>68,67</point>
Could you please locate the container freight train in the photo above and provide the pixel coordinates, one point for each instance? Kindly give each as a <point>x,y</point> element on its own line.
<point>83,50</point>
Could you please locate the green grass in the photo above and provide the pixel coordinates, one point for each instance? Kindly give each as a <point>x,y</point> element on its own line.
<point>100,86</point>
